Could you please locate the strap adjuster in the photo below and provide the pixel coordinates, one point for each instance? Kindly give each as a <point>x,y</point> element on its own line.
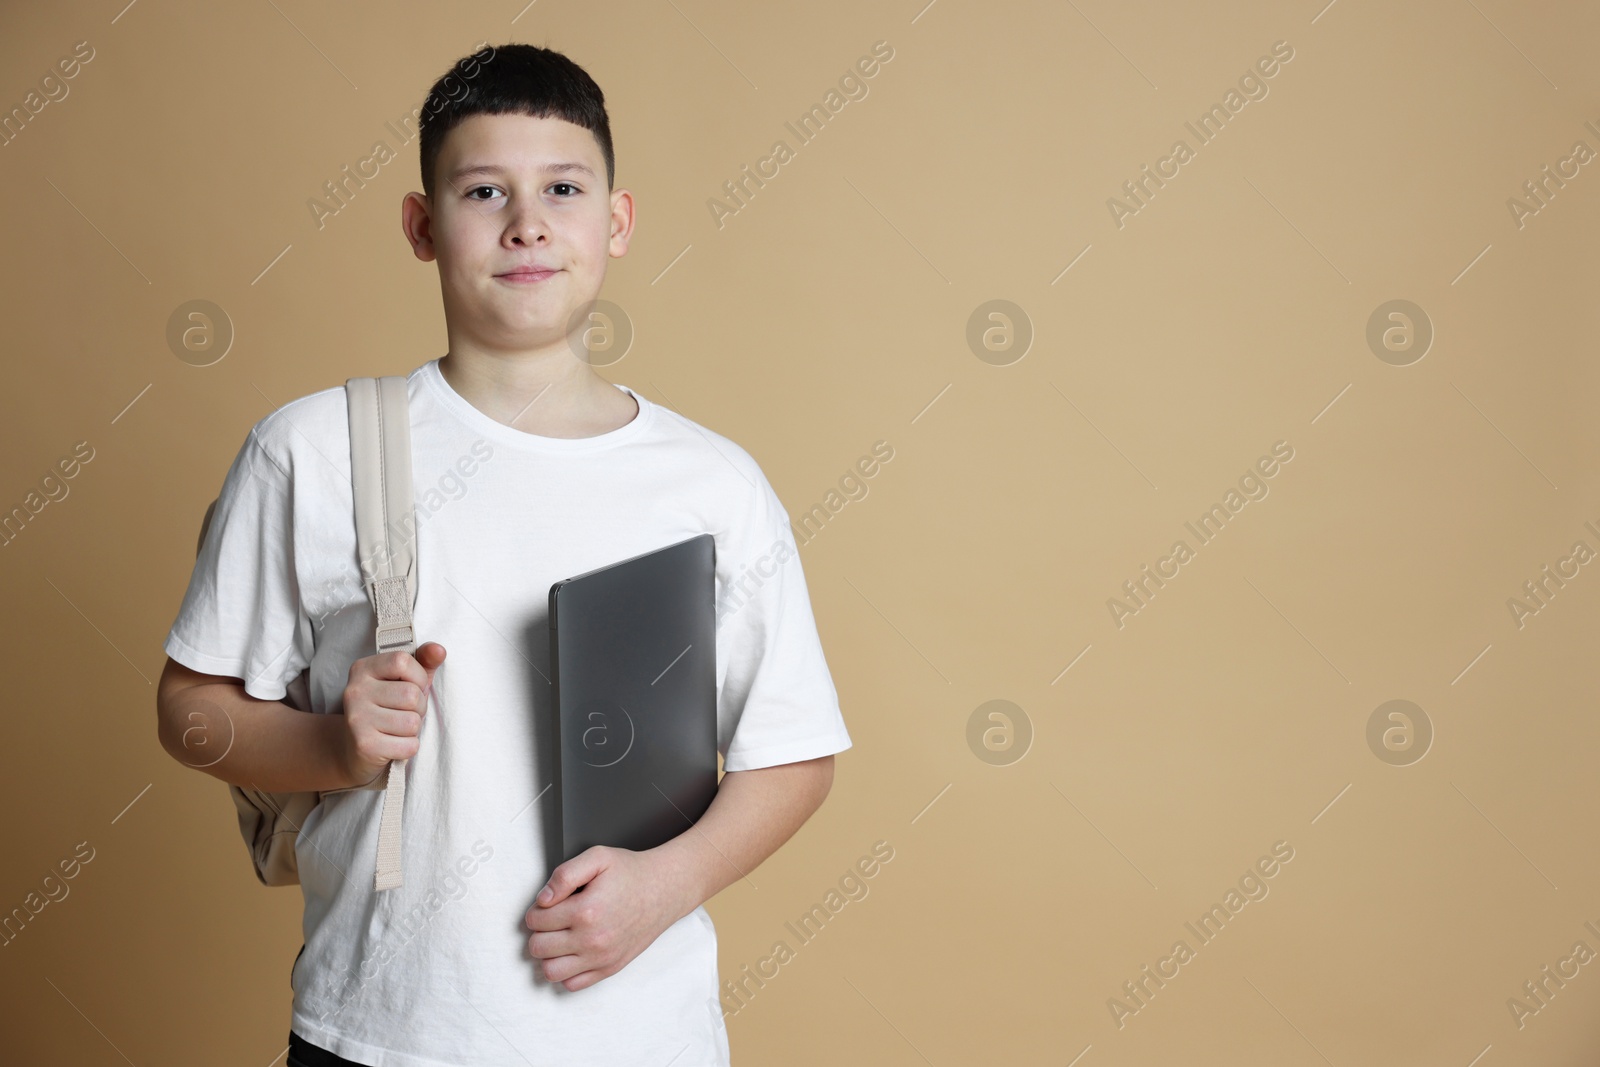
<point>392,598</point>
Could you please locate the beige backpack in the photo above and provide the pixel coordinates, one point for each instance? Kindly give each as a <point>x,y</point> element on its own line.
<point>380,475</point>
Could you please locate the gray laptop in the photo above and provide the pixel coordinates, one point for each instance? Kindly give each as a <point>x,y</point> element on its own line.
<point>634,679</point>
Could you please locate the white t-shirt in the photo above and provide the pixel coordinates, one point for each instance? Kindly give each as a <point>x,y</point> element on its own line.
<point>436,973</point>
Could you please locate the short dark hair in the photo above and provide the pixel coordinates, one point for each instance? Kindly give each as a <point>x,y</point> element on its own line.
<point>521,79</point>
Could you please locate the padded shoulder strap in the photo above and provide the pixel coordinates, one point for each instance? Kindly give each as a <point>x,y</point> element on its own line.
<point>386,526</point>
<point>380,474</point>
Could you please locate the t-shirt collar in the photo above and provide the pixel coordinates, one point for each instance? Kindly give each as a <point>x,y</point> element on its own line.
<point>485,426</point>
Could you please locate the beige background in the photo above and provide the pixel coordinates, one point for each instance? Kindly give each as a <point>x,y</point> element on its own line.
<point>832,312</point>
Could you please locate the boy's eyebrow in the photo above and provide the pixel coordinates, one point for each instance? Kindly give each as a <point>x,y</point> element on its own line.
<point>493,169</point>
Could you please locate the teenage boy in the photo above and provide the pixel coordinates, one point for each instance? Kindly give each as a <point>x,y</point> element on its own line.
<point>528,467</point>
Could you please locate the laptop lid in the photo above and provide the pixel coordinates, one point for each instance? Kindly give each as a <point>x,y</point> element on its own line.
<point>634,683</point>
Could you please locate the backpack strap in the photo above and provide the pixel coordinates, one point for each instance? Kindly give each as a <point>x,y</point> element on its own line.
<point>380,473</point>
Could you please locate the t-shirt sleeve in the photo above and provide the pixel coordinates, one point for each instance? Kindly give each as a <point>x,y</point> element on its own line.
<point>777,703</point>
<point>241,615</point>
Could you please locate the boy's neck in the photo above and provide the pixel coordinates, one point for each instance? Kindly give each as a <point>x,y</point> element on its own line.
<point>551,394</point>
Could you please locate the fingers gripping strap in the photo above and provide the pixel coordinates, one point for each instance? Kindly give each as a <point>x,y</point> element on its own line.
<point>380,474</point>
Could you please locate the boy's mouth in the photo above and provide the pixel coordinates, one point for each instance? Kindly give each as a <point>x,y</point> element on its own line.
<point>532,272</point>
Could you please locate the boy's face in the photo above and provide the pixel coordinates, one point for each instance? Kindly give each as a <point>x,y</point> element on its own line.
<point>511,193</point>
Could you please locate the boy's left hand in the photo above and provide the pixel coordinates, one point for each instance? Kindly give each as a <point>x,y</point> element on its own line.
<point>629,899</point>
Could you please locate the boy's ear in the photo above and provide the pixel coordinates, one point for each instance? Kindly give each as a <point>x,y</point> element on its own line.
<point>622,219</point>
<point>416,222</point>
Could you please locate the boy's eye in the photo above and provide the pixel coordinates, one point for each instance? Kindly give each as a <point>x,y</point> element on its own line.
<point>471,193</point>
<point>566,185</point>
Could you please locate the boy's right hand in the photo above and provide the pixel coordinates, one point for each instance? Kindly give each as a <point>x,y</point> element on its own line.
<point>383,708</point>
